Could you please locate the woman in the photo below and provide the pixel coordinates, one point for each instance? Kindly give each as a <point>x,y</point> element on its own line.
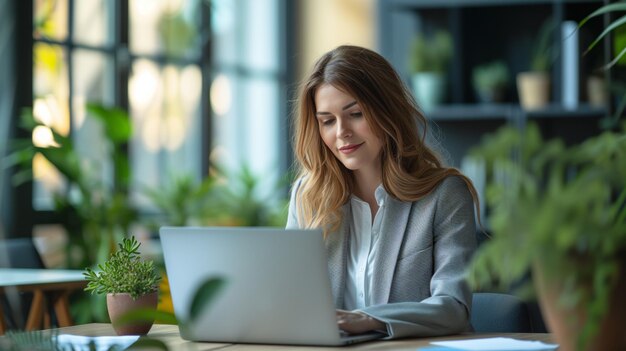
<point>398,226</point>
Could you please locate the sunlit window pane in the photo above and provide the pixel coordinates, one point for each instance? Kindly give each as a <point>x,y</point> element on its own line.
<point>165,26</point>
<point>253,45</point>
<point>93,22</point>
<point>246,52</point>
<point>261,32</point>
<point>51,90</point>
<point>93,83</point>
<point>225,31</point>
<point>50,76</point>
<point>165,105</point>
<point>47,181</point>
<point>50,19</point>
<point>248,134</point>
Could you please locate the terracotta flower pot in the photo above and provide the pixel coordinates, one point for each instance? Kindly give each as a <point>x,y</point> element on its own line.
<point>567,324</point>
<point>119,304</point>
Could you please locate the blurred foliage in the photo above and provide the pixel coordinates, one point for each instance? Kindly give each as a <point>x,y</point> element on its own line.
<point>239,201</point>
<point>176,32</point>
<point>223,198</point>
<point>182,202</point>
<point>613,26</point>
<point>491,80</point>
<point>561,207</point>
<point>44,24</point>
<point>94,213</point>
<point>431,53</point>
<point>619,47</point>
<point>545,50</point>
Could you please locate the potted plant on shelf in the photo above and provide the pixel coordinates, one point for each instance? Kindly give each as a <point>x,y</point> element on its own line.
<point>129,282</point>
<point>534,85</point>
<point>428,61</point>
<point>560,213</point>
<point>490,81</point>
<point>619,47</point>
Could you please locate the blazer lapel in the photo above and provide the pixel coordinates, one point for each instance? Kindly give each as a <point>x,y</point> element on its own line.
<point>391,237</point>
<point>337,253</point>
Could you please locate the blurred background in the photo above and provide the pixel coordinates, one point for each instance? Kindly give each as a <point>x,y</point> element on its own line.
<point>118,116</point>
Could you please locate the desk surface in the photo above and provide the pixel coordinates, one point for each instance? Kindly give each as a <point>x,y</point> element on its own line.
<point>170,335</point>
<point>21,276</point>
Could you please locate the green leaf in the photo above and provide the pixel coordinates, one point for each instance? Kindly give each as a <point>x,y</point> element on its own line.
<point>606,31</point>
<point>615,60</point>
<point>117,123</point>
<point>149,343</point>
<point>204,296</point>
<point>602,10</point>
<point>21,177</point>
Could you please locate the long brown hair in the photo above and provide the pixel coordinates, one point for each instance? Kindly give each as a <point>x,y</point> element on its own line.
<point>410,170</point>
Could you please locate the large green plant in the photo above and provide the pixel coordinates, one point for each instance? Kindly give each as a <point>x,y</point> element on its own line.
<point>562,207</point>
<point>95,213</point>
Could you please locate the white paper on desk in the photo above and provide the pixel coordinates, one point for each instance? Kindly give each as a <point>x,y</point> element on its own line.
<point>102,343</point>
<point>496,344</point>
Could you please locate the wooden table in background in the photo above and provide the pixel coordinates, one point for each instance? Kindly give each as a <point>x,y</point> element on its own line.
<point>47,285</point>
<point>170,335</point>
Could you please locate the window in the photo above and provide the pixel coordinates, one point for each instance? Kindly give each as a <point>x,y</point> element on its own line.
<point>148,57</point>
<point>249,92</point>
<point>203,80</point>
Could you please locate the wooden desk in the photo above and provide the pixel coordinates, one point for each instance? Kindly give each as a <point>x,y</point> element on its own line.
<point>170,335</point>
<point>54,284</point>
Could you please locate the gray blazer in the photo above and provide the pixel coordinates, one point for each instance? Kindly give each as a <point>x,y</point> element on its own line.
<point>425,247</point>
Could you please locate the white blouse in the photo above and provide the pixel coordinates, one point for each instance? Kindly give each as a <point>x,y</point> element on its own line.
<point>364,234</point>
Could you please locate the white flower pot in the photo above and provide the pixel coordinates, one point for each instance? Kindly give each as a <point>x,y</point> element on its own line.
<point>428,89</point>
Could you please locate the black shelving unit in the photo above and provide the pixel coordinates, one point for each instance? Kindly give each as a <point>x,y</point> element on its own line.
<point>487,30</point>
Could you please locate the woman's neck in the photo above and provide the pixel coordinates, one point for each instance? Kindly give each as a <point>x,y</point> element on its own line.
<point>365,186</point>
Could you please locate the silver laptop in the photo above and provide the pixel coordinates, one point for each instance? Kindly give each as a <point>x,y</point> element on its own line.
<point>277,288</point>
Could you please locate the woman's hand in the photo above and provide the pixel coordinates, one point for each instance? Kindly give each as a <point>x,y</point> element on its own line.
<point>358,322</point>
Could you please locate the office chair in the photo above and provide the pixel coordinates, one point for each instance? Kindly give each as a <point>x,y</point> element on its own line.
<point>500,313</point>
<point>21,253</point>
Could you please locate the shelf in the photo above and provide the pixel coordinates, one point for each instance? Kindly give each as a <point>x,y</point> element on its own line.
<point>425,4</point>
<point>560,112</point>
<point>461,124</point>
<point>458,112</point>
<point>510,112</point>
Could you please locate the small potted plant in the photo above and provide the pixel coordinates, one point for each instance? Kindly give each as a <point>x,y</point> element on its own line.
<point>559,212</point>
<point>429,58</point>
<point>490,81</point>
<point>130,284</point>
<point>534,85</point>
